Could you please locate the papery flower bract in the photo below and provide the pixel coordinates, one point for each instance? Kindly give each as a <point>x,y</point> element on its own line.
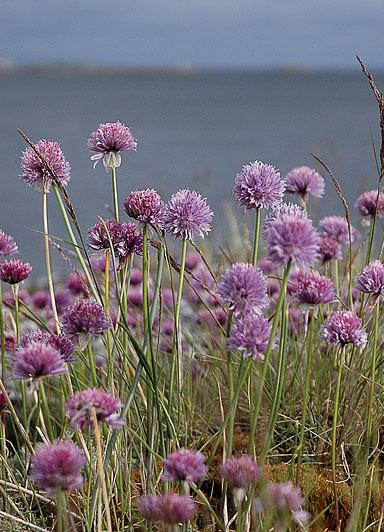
<point>37,360</point>
<point>184,465</point>
<point>304,180</point>
<point>187,214</point>
<point>58,465</point>
<point>145,206</point>
<point>250,334</point>
<point>240,472</point>
<point>312,288</point>
<point>329,249</point>
<point>342,328</point>
<point>291,239</point>
<point>258,186</point>
<point>371,279</point>
<point>79,408</point>
<point>7,245</point>
<point>169,508</point>
<point>14,271</point>
<point>243,288</point>
<point>34,171</point>
<point>85,316</point>
<point>336,227</point>
<point>108,141</point>
<point>366,204</point>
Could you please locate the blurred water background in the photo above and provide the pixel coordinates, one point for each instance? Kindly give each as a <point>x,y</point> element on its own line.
<point>194,129</point>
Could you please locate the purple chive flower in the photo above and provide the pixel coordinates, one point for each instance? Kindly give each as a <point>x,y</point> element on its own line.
<point>38,360</point>
<point>57,466</point>
<point>343,328</point>
<point>284,498</point>
<point>192,261</point>
<point>85,316</point>
<point>336,227</point>
<point>243,288</point>
<point>250,334</point>
<point>108,141</point>
<point>59,342</point>
<point>145,206</point>
<point>280,210</point>
<point>304,181</point>
<point>79,408</point>
<point>258,186</point>
<point>371,279</point>
<point>169,508</point>
<point>240,472</point>
<point>34,171</point>
<point>312,288</point>
<point>187,214</point>
<point>125,238</point>
<point>329,249</point>
<point>40,300</point>
<point>366,204</point>
<point>7,245</point>
<point>77,284</point>
<point>185,465</point>
<point>14,271</point>
<point>292,239</point>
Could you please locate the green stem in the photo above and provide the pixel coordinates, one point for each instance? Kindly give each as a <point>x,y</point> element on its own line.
<point>256,236</point>
<point>48,263</point>
<point>115,195</point>
<point>17,316</point>
<point>336,274</point>
<point>92,366</point>
<point>306,392</point>
<point>230,391</point>
<point>60,497</point>
<point>45,409</point>
<point>267,356</point>
<point>334,433</point>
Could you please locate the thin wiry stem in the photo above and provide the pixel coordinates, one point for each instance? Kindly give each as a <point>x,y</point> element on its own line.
<point>48,263</point>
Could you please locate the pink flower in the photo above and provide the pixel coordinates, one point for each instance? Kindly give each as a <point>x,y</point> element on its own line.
<point>312,288</point>
<point>250,334</point>
<point>258,186</point>
<point>145,206</point>
<point>79,408</point>
<point>187,214</point>
<point>14,271</point>
<point>303,181</point>
<point>108,141</point>
<point>243,288</point>
<point>343,328</point>
<point>184,465</point>
<point>240,472</point>
<point>170,508</point>
<point>7,245</point>
<point>38,360</point>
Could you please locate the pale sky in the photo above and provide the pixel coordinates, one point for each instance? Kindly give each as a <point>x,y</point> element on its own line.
<point>207,33</point>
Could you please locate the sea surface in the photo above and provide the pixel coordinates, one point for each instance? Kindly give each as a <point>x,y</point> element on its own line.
<point>194,129</point>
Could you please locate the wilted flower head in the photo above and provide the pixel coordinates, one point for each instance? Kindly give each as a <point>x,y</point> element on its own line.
<point>312,288</point>
<point>169,508</point>
<point>60,342</point>
<point>7,245</point>
<point>124,237</point>
<point>108,141</point>
<point>79,408</point>
<point>371,279</point>
<point>38,360</point>
<point>187,214</point>
<point>85,316</point>
<point>145,206</point>
<point>291,239</point>
<point>342,328</point>
<point>304,180</point>
<point>336,227</point>
<point>185,465</point>
<point>240,472</point>
<point>258,185</point>
<point>34,171</point>
<point>329,249</point>
<point>250,334</point>
<point>14,271</point>
<point>366,204</point>
<point>58,465</point>
<point>243,288</point>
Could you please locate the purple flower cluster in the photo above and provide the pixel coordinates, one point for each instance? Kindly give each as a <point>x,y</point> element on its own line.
<point>187,215</point>
<point>184,465</point>
<point>367,203</point>
<point>329,249</point>
<point>125,238</point>
<point>85,316</point>
<point>343,328</point>
<point>240,472</point>
<point>169,508</point>
<point>35,172</point>
<point>304,181</point>
<point>282,499</point>
<point>59,342</point>
<point>57,466</point>
<point>146,206</point>
<point>312,288</point>
<point>250,334</point>
<point>79,408</point>
<point>371,279</point>
<point>14,271</point>
<point>258,186</point>
<point>336,227</point>
<point>7,245</point>
<point>38,360</point>
<point>243,288</point>
<point>108,141</point>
